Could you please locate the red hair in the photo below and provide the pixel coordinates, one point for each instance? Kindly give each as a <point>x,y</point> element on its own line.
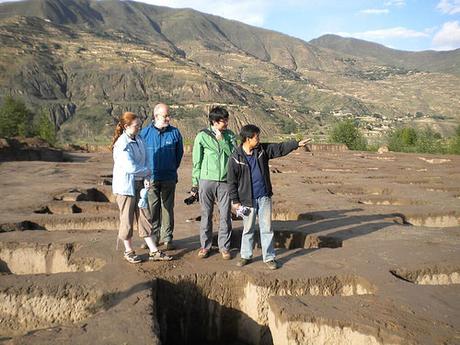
<point>126,119</point>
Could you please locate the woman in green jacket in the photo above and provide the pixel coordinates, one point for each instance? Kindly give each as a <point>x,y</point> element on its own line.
<point>211,150</point>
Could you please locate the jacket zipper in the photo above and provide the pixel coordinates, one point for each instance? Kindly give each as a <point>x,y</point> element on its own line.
<point>218,149</point>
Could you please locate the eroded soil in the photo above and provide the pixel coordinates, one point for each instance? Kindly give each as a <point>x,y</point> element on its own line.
<point>368,243</point>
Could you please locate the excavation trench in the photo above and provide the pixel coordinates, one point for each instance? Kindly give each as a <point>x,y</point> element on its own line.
<point>283,214</point>
<point>70,207</point>
<point>101,194</point>
<point>446,220</point>
<point>34,258</point>
<point>433,275</point>
<point>44,304</point>
<point>233,308</point>
<point>77,221</point>
<point>285,239</point>
<point>391,202</point>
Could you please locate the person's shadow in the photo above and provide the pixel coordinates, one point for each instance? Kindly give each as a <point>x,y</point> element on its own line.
<point>324,229</point>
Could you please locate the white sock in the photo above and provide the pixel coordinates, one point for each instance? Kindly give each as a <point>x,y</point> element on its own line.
<point>128,246</point>
<point>151,244</point>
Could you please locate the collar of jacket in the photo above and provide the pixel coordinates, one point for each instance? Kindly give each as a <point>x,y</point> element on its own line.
<point>130,139</point>
<point>161,130</point>
<point>255,151</point>
<point>125,140</point>
<point>210,128</point>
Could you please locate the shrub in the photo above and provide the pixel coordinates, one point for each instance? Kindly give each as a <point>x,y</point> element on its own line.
<point>429,141</point>
<point>44,128</point>
<point>289,126</point>
<point>402,139</point>
<point>409,139</point>
<point>454,142</point>
<point>15,118</point>
<point>346,132</point>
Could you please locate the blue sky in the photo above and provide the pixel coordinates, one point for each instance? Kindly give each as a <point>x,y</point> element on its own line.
<point>401,24</point>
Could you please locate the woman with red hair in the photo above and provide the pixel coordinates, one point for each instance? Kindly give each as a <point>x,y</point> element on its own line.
<point>130,175</point>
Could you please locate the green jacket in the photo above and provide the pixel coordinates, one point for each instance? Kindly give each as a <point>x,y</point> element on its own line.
<point>210,156</point>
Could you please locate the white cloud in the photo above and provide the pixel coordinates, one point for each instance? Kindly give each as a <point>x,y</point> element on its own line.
<point>249,12</point>
<point>375,11</point>
<point>448,37</point>
<point>397,32</point>
<point>397,3</point>
<point>449,6</point>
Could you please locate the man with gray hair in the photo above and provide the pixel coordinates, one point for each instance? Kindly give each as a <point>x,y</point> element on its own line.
<point>164,149</point>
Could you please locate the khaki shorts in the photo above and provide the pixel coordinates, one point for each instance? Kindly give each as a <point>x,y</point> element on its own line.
<point>130,211</point>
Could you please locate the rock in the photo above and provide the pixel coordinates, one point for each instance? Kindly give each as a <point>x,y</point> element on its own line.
<point>383,149</point>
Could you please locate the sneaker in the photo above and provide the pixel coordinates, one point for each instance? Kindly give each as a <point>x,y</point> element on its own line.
<point>131,257</point>
<point>226,254</point>
<point>272,264</point>
<point>203,253</point>
<point>243,262</point>
<point>159,256</point>
<point>169,246</point>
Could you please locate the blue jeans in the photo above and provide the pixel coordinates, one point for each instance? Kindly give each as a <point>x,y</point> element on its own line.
<point>263,209</point>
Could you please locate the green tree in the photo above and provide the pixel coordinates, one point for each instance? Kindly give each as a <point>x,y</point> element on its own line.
<point>429,141</point>
<point>454,142</point>
<point>402,139</point>
<point>346,132</point>
<point>409,139</point>
<point>408,136</point>
<point>45,128</point>
<point>15,118</point>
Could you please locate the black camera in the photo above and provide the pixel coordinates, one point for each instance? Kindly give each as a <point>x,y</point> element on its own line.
<point>192,198</point>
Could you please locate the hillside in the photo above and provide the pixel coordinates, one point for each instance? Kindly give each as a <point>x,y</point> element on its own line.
<point>431,61</point>
<point>87,61</point>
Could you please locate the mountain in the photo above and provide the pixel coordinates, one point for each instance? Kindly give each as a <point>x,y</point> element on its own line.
<point>433,61</point>
<point>86,61</point>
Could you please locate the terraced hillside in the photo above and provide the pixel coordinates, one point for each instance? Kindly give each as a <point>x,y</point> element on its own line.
<point>87,61</point>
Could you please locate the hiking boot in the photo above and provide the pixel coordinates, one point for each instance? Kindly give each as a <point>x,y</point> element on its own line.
<point>272,264</point>
<point>226,254</point>
<point>169,246</point>
<point>131,257</point>
<point>159,256</point>
<point>203,253</point>
<point>243,262</point>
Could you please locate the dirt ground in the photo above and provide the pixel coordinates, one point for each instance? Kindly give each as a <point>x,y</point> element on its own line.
<point>368,243</point>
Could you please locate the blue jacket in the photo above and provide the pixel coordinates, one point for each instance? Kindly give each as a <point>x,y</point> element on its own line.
<point>164,151</point>
<point>130,163</point>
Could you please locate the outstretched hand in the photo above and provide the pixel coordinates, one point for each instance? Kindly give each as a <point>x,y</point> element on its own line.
<point>304,142</point>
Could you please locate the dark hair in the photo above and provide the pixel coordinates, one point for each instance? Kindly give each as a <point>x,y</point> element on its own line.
<point>248,132</point>
<point>217,113</point>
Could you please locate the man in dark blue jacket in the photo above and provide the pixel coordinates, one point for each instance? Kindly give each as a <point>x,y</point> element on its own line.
<point>251,189</point>
<point>165,149</point>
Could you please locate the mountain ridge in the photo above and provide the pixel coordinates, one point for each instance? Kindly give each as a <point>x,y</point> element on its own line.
<point>424,60</point>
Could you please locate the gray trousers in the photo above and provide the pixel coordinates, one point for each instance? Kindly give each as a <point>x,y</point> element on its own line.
<point>211,191</point>
<point>161,206</point>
